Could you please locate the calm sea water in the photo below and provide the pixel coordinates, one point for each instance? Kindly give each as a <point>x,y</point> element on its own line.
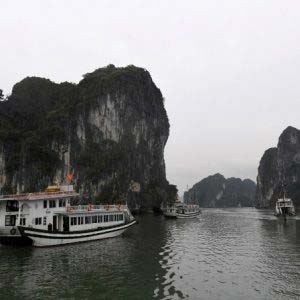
<point>224,254</point>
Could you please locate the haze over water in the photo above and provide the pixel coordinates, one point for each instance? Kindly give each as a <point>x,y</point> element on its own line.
<point>224,254</point>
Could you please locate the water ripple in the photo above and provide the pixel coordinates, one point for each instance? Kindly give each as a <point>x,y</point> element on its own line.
<point>225,254</point>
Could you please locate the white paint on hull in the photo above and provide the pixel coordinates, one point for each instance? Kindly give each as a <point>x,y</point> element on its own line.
<point>46,239</point>
<point>182,216</point>
<point>43,242</point>
<point>187,216</point>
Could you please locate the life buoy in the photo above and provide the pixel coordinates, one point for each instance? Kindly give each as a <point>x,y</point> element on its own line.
<point>13,231</point>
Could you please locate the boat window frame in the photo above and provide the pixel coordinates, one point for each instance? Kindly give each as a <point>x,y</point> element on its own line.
<point>61,202</point>
<point>51,202</point>
<point>38,221</point>
<point>10,218</point>
<point>12,205</point>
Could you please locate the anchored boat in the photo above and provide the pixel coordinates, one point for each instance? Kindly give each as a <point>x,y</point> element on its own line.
<point>49,219</point>
<point>182,211</point>
<point>284,206</point>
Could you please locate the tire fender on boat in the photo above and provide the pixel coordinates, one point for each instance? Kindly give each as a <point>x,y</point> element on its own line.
<point>13,231</point>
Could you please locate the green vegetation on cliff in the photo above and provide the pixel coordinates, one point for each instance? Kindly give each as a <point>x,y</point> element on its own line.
<point>109,129</point>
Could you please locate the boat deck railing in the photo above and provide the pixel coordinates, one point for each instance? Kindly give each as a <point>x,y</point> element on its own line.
<point>284,204</point>
<point>95,208</point>
<point>28,196</point>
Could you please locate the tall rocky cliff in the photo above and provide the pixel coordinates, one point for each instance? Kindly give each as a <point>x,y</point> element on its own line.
<point>110,130</point>
<point>280,166</point>
<point>217,191</point>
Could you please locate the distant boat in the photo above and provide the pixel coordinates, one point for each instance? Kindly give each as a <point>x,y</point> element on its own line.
<point>181,210</point>
<point>284,207</point>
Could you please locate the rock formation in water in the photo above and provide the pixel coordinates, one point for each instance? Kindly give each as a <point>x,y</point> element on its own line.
<point>217,191</point>
<point>110,130</point>
<point>280,166</point>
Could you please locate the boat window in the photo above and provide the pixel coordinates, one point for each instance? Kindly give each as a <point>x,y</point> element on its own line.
<point>74,221</point>
<point>80,220</point>
<point>12,205</point>
<point>10,220</point>
<point>45,203</point>
<point>111,218</point>
<point>94,219</point>
<point>38,221</point>
<point>52,203</point>
<point>44,221</point>
<point>87,220</point>
<point>105,218</point>
<point>62,203</point>
<point>23,221</point>
<point>121,217</point>
<point>100,220</point>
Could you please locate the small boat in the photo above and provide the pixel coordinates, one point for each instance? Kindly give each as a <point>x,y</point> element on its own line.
<point>182,211</point>
<point>49,219</point>
<point>284,207</point>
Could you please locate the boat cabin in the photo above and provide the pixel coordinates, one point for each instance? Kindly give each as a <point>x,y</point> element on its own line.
<point>38,210</point>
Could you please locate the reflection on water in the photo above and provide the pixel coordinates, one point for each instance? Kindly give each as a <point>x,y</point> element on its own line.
<point>224,254</point>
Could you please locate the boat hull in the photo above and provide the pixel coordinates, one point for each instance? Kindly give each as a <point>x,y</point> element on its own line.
<point>12,236</point>
<point>182,216</point>
<point>170,215</point>
<point>43,238</point>
<point>188,215</point>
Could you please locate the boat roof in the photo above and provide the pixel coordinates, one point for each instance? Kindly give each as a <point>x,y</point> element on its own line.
<point>92,209</point>
<point>38,196</point>
<point>284,200</point>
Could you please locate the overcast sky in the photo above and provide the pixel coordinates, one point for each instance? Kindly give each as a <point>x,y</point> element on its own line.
<point>229,70</point>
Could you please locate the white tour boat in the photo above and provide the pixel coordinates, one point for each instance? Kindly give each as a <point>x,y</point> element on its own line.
<point>49,219</point>
<point>284,207</point>
<point>182,211</point>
